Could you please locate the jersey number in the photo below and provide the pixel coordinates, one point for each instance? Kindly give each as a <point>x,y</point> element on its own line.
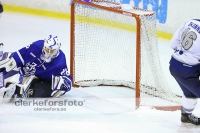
<point>187,38</point>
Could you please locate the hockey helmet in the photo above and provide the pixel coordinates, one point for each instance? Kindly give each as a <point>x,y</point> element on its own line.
<point>51,48</point>
<point>1,8</point>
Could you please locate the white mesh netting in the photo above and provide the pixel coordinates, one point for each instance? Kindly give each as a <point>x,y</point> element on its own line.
<point>105,52</point>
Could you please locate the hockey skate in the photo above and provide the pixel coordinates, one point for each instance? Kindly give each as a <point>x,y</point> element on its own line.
<point>185,118</point>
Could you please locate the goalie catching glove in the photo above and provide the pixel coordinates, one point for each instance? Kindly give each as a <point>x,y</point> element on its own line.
<point>60,85</point>
<point>8,62</point>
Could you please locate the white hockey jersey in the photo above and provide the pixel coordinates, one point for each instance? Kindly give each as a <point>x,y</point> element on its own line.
<point>186,43</point>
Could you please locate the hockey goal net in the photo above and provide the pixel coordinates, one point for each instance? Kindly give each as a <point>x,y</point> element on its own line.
<point>115,45</point>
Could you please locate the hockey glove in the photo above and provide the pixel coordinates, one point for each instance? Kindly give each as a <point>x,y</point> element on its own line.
<point>8,62</point>
<point>60,85</point>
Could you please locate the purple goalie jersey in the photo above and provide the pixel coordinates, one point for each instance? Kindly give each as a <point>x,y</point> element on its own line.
<point>30,62</point>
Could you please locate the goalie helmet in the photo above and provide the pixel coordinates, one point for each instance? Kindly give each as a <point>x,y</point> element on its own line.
<point>51,48</point>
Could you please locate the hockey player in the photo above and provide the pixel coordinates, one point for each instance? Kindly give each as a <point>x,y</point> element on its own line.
<point>44,67</point>
<point>185,67</point>
<point>1,8</point>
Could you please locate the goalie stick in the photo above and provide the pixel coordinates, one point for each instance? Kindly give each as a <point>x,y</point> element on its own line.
<point>1,50</point>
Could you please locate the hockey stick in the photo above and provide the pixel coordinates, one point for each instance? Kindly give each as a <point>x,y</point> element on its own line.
<point>1,50</point>
<point>2,88</point>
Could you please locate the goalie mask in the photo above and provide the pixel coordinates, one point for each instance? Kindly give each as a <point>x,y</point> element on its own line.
<point>51,48</point>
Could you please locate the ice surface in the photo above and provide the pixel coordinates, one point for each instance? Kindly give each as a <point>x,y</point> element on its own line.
<point>100,109</point>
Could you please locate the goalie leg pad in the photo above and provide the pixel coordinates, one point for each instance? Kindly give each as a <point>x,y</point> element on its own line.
<point>9,93</point>
<point>39,89</point>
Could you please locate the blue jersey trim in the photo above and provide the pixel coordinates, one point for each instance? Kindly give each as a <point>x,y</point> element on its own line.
<point>18,59</point>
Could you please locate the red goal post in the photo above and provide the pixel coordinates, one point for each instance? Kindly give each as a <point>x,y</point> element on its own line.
<point>125,41</point>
